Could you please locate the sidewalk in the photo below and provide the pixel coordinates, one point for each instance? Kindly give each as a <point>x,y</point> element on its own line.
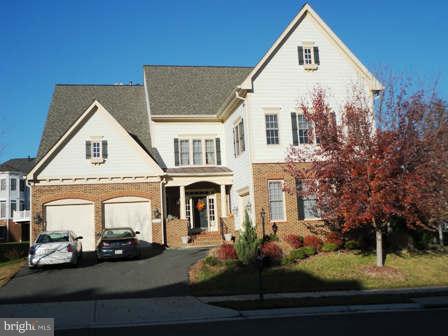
<point>188,309</point>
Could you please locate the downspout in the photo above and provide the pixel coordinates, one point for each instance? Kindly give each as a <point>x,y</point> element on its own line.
<point>162,208</point>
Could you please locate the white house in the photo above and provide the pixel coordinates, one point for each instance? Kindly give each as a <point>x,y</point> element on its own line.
<point>192,149</point>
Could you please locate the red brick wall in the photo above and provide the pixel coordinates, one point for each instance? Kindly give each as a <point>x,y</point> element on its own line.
<point>262,172</point>
<point>175,229</point>
<point>96,193</point>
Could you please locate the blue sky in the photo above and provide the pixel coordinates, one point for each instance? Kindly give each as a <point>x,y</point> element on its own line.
<point>85,41</point>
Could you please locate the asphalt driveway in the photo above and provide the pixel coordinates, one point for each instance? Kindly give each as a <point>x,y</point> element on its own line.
<point>158,273</point>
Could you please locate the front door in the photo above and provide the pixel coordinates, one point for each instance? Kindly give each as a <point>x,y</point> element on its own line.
<point>200,213</point>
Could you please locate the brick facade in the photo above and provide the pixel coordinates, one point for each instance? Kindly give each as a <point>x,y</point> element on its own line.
<point>262,173</point>
<point>96,193</point>
<point>175,229</point>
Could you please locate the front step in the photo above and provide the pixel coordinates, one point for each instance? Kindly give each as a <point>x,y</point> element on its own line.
<point>206,239</point>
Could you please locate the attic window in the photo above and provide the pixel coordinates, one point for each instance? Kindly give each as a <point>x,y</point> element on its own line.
<point>309,56</point>
<point>96,150</point>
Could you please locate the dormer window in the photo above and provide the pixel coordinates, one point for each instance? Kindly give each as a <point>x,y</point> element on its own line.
<point>96,150</point>
<point>309,56</point>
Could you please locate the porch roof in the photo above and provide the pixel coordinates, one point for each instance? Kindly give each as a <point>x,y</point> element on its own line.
<point>199,170</point>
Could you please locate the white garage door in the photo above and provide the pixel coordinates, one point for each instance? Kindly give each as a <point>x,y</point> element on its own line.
<point>129,212</point>
<point>74,215</point>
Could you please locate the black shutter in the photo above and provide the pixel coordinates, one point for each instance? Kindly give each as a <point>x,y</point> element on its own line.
<point>218,151</point>
<point>104,148</point>
<point>176,152</point>
<point>300,51</point>
<point>88,150</point>
<point>295,138</point>
<point>316,55</point>
<point>234,143</point>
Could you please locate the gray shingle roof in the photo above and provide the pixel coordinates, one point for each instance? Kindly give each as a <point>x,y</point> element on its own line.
<point>22,165</point>
<point>126,103</point>
<point>184,90</point>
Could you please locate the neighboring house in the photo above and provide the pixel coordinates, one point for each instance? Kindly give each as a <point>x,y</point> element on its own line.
<point>193,148</point>
<point>15,200</point>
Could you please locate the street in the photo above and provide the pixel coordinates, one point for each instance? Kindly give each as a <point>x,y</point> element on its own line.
<point>390,323</point>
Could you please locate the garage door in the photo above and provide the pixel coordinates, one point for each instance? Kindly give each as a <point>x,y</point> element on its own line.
<point>129,212</point>
<point>74,215</point>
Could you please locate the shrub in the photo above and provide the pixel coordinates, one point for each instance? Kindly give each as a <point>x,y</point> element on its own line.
<point>272,251</point>
<point>211,261</point>
<point>226,252</point>
<point>12,251</point>
<point>270,238</point>
<point>329,247</point>
<point>312,241</point>
<point>309,250</point>
<point>351,245</point>
<point>334,238</point>
<point>246,245</point>
<point>294,255</point>
<point>295,241</point>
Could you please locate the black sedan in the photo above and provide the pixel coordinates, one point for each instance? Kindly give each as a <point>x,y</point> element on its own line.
<point>118,243</point>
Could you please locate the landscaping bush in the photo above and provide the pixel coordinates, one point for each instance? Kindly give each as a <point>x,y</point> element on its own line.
<point>272,251</point>
<point>294,255</point>
<point>312,241</point>
<point>270,238</point>
<point>247,243</point>
<point>329,247</point>
<point>226,252</point>
<point>351,245</point>
<point>295,241</point>
<point>334,238</point>
<point>310,250</point>
<point>211,261</point>
<point>11,251</point>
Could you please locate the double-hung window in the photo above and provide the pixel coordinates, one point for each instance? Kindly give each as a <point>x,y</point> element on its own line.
<point>306,202</point>
<point>309,56</point>
<point>2,209</point>
<point>304,129</point>
<point>209,151</point>
<point>3,184</point>
<point>276,200</point>
<point>197,152</point>
<point>13,184</point>
<point>239,145</point>
<point>184,152</point>
<point>271,122</point>
<point>96,150</point>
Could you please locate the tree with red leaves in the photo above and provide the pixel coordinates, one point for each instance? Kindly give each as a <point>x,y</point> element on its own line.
<point>371,168</point>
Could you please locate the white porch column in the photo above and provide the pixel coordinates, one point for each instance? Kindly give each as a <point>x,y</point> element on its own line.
<point>183,214</point>
<point>223,201</point>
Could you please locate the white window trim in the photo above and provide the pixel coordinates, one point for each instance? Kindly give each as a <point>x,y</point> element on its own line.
<point>285,219</point>
<point>312,65</point>
<point>203,153</point>
<point>308,219</point>
<point>236,137</point>
<point>6,209</point>
<point>99,140</point>
<point>270,111</point>
<point>313,139</point>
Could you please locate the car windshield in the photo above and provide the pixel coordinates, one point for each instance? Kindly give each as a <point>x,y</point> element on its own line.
<point>53,237</point>
<point>118,233</point>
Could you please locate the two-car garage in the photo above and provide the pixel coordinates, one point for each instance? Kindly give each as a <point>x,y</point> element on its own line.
<point>79,216</point>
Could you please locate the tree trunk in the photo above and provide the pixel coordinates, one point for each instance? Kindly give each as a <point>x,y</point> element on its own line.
<point>379,248</point>
<point>441,234</point>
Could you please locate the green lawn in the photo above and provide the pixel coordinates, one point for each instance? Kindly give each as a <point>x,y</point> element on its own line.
<point>8,269</point>
<point>334,271</point>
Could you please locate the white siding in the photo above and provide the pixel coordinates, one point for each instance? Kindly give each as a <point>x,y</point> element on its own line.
<point>124,157</point>
<point>240,165</point>
<point>9,195</point>
<point>163,134</point>
<point>284,83</point>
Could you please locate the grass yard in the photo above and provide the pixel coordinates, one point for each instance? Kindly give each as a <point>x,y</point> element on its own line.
<point>8,269</point>
<point>332,271</point>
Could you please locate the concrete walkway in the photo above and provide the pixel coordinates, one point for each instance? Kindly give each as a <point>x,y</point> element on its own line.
<point>178,310</point>
<point>120,312</point>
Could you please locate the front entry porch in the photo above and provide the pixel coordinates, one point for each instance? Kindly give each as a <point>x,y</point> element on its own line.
<point>196,207</point>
